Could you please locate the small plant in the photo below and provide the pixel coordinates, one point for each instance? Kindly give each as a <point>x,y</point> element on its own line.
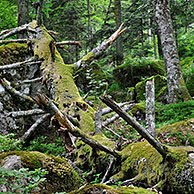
<point>97,178</point>
<point>22,180</point>
<point>8,143</point>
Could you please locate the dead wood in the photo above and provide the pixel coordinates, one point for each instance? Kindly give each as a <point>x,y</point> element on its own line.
<point>26,113</point>
<point>32,129</point>
<point>19,64</point>
<point>116,116</point>
<point>98,120</point>
<point>13,41</point>
<point>11,32</point>
<point>99,50</point>
<point>108,109</point>
<point>27,81</point>
<point>130,120</point>
<point>70,42</point>
<point>114,133</point>
<point>13,91</point>
<point>66,124</point>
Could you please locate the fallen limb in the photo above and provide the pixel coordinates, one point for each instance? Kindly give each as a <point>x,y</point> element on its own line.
<point>25,27</point>
<point>108,129</point>
<point>13,91</point>
<point>130,120</point>
<point>27,113</point>
<point>70,42</point>
<point>16,65</point>
<point>31,130</point>
<point>116,116</point>
<point>4,32</point>
<point>13,41</point>
<point>27,81</point>
<point>108,169</point>
<point>108,109</point>
<point>65,123</point>
<point>99,50</point>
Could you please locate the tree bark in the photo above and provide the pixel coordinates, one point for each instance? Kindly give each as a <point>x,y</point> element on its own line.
<point>176,85</point>
<point>23,15</point>
<point>119,42</point>
<point>150,108</point>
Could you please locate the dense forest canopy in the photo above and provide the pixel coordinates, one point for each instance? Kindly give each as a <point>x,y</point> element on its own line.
<point>96,93</point>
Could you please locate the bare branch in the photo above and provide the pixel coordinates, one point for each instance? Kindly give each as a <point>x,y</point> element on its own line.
<point>13,91</point>
<point>99,50</point>
<point>15,65</point>
<point>130,120</point>
<point>31,80</point>
<point>13,41</point>
<point>70,42</point>
<point>108,129</point>
<point>116,116</point>
<point>25,27</point>
<point>31,130</point>
<point>26,113</point>
<point>4,32</point>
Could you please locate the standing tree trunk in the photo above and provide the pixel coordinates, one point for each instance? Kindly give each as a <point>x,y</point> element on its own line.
<point>176,85</point>
<point>23,14</point>
<point>119,43</point>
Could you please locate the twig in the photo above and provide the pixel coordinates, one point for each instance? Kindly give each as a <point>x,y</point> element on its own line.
<point>13,41</point>
<point>108,129</point>
<point>12,90</point>
<point>15,65</point>
<point>130,120</point>
<point>26,113</point>
<point>70,42</point>
<point>31,130</point>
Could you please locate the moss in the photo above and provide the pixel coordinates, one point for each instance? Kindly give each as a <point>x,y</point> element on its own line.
<point>12,53</point>
<point>177,134</point>
<point>60,177</point>
<point>138,107</point>
<point>133,70</point>
<point>101,188</point>
<point>88,58</point>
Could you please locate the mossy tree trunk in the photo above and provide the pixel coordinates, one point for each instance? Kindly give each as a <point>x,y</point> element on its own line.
<point>176,85</point>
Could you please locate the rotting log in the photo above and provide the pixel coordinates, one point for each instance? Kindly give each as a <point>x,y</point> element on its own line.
<point>130,120</point>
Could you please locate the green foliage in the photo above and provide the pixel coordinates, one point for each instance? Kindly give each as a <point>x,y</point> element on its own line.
<point>40,144</point>
<point>8,14</point>
<point>22,180</point>
<point>97,178</point>
<point>171,113</point>
<point>8,143</point>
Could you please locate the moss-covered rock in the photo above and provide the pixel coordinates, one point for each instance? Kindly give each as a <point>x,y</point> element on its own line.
<point>160,88</point>
<point>177,134</point>
<point>100,188</point>
<point>133,70</point>
<point>60,177</point>
<point>188,73</point>
<point>146,167</point>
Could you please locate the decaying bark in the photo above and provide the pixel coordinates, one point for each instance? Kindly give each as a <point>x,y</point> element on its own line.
<point>150,108</point>
<point>130,120</point>
<point>27,113</point>
<point>176,85</point>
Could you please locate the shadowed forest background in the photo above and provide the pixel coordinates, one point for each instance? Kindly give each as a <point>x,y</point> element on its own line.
<point>97,96</point>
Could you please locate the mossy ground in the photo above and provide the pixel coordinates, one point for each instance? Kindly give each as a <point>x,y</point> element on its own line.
<point>100,188</point>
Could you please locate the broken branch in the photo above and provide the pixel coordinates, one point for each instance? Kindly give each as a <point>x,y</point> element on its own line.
<point>60,44</point>
<point>130,120</point>
<point>26,113</point>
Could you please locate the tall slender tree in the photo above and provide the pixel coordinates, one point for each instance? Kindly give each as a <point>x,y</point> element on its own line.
<point>176,85</point>
<point>119,43</point>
